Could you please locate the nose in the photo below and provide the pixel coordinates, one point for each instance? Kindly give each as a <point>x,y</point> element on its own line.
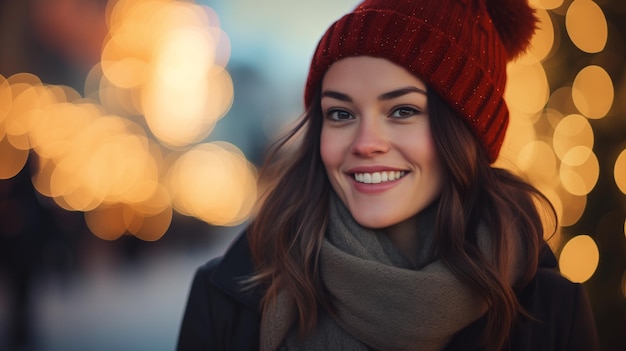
<point>370,139</point>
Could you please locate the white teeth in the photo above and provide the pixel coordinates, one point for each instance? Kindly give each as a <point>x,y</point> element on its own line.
<point>378,177</point>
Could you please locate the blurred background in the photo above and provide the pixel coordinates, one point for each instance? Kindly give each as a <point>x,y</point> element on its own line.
<point>132,131</point>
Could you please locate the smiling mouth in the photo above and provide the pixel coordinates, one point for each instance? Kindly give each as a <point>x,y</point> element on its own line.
<point>378,177</point>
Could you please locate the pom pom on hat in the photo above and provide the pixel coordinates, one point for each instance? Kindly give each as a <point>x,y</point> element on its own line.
<point>459,48</point>
<point>515,22</point>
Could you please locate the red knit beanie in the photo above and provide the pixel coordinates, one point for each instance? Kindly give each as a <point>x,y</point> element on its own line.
<point>459,48</point>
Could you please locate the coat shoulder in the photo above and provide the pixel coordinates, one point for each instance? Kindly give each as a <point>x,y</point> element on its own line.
<point>561,316</point>
<point>221,312</point>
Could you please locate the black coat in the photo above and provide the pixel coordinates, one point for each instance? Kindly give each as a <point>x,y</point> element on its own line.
<point>219,316</point>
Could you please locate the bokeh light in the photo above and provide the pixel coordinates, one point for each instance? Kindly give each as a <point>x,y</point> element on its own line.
<point>12,160</point>
<point>105,222</point>
<point>593,92</point>
<point>519,94</point>
<point>573,130</point>
<point>586,26</point>
<point>546,4</point>
<point>515,142</point>
<point>619,172</point>
<point>573,209</point>
<point>537,155</point>
<point>161,85</point>
<point>148,227</point>
<point>561,101</point>
<point>169,55</point>
<point>579,170</point>
<point>579,258</point>
<point>551,140</point>
<point>213,182</point>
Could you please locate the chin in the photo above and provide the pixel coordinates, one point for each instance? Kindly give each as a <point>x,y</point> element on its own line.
<point>374,222</point>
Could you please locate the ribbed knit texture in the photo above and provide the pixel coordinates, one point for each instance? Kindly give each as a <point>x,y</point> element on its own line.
<point>452,45</point>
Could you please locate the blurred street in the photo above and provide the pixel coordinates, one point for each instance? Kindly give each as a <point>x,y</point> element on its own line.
<point>111,303</point>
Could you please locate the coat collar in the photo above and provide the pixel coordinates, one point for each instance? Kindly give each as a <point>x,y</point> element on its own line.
<point>234,269</point>
<point>546,257</point>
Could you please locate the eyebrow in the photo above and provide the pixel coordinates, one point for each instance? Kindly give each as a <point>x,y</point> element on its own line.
<point>400,92</point>
<point>386,96</point>
<point>336,95</point>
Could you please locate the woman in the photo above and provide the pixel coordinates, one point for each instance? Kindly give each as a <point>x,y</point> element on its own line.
<point>389,229</point>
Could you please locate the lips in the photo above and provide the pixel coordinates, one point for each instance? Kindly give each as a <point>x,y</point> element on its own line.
<point>378,177</point>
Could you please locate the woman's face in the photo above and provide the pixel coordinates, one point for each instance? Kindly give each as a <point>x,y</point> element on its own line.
<point>376,142</point>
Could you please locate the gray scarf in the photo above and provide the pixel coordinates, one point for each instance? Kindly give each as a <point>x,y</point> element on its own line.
<point>382,300</point>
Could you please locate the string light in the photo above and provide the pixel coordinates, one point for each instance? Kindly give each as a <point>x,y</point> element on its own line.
<point>159,90</point>
<point>551,139</point>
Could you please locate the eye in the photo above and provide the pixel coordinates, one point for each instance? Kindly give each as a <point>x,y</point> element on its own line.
<point>405,112</point>
<point>338,115</point>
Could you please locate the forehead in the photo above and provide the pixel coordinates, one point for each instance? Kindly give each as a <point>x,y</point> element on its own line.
<point>365,72</point>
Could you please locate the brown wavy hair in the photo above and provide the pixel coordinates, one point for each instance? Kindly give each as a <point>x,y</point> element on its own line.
<point>286,235</point>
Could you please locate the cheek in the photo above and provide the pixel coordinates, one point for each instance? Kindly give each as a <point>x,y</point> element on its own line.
<point>420,149</point>
<point>429,153</point>
<point>417,145</point>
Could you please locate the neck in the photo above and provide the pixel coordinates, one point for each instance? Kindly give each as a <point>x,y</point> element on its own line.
<point>405,238</point>
<point>413,237</point>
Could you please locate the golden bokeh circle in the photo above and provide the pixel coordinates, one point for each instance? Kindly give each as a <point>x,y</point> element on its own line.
<point>586,25</point>
<point>571,131</point>
<point>593,92</point>
<point>619,171</point>
<point>579,170</point>
<point>579,258</point>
